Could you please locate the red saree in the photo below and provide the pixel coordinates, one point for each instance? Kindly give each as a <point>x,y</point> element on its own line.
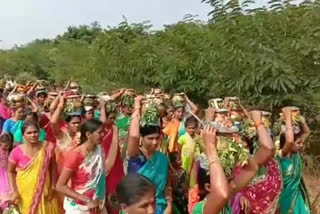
<point>116,172</point>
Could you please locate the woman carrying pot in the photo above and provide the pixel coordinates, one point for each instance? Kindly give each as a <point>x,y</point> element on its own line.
<point>67,137</point>
<point>110,146</point>
<point>145,160</point>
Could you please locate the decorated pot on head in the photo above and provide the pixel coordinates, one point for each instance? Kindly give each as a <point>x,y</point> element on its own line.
<point>10,84</point>
<point>111,107</point>
<point>249,130</point>
<point>127,102</point>
<point>16,100</point>
<point>297,121</point>
<point>266,119</point>
<point>42,84</point>
<point>103,97</point>
<point>89,100</point>
<point>150,113</point>
<point>216,103</point>
<point>73,105</point>
<point>295,115</point>
<point>130,92</point>
<point>156,91</point>
<point>178,100</point>
<point>75,87</point>
<point>231,151</point>
<point>153,99</point>
<point>167,97</point>
<point>233,103</point>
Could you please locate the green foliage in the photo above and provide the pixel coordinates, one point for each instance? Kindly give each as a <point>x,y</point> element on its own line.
<point>268,56</point>
<point>231,153</point>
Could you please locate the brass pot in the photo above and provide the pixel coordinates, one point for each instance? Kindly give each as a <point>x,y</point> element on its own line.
<point>216,103</point>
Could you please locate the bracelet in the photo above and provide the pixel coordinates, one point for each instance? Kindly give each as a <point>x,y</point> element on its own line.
<point>289,127</point>
<point>215,160</point>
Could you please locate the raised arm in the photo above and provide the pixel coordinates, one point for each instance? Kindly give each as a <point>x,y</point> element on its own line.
<point>289,131</point>
<point>33,105</point>
<point>244,177</point>
<point>246,113</point>
<point>103,113</point>
<point>194,107</point>
<point>134,129</point>
<point>118,94</point>
<point>54,104</point>
<point>31,90</point>
<point>55,118</point>
<point>266,146</point>
<point>218,181</point>
<point>113,151</point>
<point>305,131</point>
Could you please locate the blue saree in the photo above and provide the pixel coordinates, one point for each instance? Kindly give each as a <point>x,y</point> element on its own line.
<point>156,170</point>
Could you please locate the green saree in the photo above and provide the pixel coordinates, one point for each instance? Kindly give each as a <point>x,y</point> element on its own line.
<point>123,122</point>
<point>294,198</point>
<point>198,208</point>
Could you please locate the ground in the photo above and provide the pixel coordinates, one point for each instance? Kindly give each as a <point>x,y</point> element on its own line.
<point>313,185</point>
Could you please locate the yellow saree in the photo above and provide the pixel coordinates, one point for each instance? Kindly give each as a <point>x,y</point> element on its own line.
<point>190,151</point>
<point>33,184</point>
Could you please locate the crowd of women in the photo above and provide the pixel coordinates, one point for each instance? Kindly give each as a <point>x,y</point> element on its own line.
<point>64,152</point>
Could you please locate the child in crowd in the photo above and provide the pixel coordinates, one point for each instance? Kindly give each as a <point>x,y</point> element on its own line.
<point>5,148</point>
<point>190,148</point>
<point>178,183</point>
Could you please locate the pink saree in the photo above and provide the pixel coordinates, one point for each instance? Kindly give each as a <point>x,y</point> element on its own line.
<point>263,191</point>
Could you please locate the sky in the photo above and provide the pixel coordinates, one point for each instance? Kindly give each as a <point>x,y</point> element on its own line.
<point>22,21</point>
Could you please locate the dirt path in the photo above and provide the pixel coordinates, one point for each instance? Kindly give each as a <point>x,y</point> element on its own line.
<point>313,185</point>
